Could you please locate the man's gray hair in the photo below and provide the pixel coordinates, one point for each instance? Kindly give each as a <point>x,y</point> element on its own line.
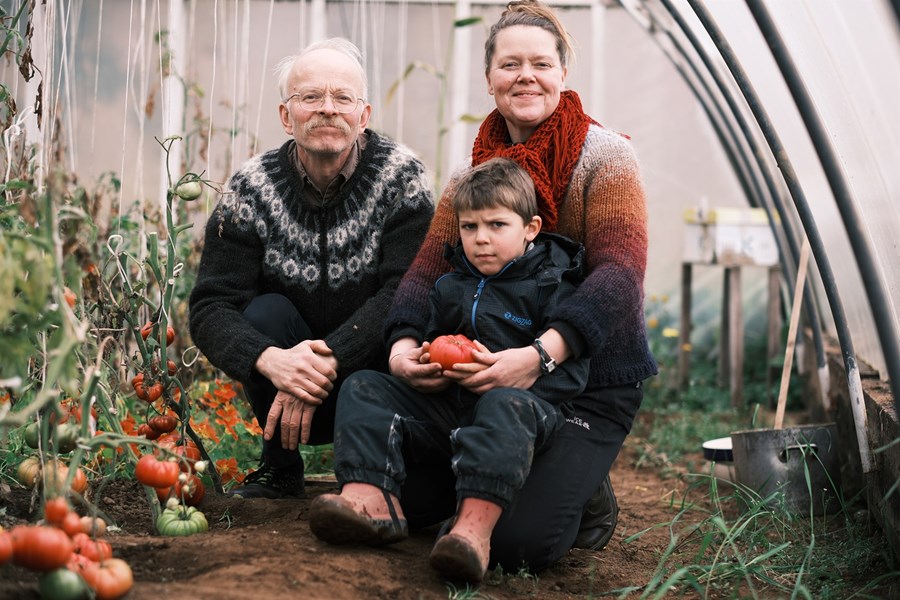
<point>344,46</point>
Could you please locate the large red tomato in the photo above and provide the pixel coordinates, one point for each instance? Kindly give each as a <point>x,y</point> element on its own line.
<point>156,473</point>
<point>6,547</point>
<point>449,350</point>
<point>109,579</point>
<point>40,548</point>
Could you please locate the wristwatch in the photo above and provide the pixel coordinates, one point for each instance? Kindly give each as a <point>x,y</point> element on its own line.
<point>547,361</point>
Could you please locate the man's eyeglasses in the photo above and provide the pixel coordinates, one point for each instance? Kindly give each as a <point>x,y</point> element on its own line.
<point>343,101</point>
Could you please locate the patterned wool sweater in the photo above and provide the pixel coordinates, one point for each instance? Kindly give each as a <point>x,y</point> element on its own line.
<point>604,208</point>
<point>339,264</point>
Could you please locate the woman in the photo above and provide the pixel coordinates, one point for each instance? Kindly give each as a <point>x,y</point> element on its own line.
<point>589,189</point>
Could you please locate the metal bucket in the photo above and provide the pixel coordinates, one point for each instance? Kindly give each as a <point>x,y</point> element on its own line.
<point>800,464</point>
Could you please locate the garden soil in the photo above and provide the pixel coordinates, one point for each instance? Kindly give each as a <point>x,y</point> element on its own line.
<point>264,549</point>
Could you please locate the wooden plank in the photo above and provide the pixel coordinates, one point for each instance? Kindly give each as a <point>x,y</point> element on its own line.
<point>684,331</point>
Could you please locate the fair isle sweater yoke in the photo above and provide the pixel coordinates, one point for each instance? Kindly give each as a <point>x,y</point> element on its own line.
<point>604,208</point>
<point>338,264</point>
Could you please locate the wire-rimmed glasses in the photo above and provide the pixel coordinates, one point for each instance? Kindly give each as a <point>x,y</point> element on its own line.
<point>343,101</point>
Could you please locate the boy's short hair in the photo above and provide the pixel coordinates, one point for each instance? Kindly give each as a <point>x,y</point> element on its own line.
<point>498,182</point>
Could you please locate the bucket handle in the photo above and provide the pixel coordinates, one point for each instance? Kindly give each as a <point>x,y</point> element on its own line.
<point>804,448</point>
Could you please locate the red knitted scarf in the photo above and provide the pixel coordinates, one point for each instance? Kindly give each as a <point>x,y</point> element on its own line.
<point>549,154</point>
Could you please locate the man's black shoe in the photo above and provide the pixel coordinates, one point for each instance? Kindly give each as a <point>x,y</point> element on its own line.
<point>267,482</point>
<point>598,521</point>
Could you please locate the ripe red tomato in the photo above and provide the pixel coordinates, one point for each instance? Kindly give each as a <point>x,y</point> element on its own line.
<point>448,350</point>
<point>156,473</point>
<point>148,328</point>
<point>110,579</point>
<point>70,297</point>
<point>163,423</point>
<point>190,493</point>
<point>189,454</point>
<point>71,524</point>
<point>149,393</point>
<point>55,510</point>
<point>147,431</point>
<point>40,548</point>
<point>97,550</point>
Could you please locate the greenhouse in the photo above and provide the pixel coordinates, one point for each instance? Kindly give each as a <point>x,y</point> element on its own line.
<point>747,148</point>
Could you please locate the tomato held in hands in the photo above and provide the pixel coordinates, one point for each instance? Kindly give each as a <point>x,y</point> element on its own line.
<point>448,350</point>
<point>156,473</point>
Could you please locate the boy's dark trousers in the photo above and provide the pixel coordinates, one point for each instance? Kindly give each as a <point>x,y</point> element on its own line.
<point>540,463</point>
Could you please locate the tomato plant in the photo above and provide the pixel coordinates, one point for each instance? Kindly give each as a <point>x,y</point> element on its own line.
<point>148,328</point>
<point>156,473</point>
<point>109,579</point>
<point>189,190</point>
<point>54,474</point>
<point>63,584</point>
<point>448,350</point>
<point>40,548</point>
<point>181,521</point>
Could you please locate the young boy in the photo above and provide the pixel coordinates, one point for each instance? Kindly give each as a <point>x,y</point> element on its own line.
<point>506,281</point>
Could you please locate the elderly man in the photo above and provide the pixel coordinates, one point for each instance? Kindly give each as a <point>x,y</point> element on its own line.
<point>302,256</point>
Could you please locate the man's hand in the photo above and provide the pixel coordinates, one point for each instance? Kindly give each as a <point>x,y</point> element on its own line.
<point>295,417</point>
<point>305,371</point>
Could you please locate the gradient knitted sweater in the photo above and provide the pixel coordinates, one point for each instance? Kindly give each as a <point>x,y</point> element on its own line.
<point>339,264</point>
<point>604,208</point>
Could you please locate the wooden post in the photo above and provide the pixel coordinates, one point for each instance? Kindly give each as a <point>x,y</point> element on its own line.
<point>725,332</point>
<point>684,331</point>
<point>773,345</point>
<point>736,336</point>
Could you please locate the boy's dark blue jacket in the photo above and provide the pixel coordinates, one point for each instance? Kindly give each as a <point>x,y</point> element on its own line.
<point>513,307</point>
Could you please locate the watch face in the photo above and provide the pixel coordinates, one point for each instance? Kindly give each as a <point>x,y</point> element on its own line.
<point>549,366</point>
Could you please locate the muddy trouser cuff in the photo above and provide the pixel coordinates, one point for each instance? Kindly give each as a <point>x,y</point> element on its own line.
<point>493,453</point>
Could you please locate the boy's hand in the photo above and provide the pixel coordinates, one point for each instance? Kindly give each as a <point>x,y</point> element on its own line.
<point>515,367</point>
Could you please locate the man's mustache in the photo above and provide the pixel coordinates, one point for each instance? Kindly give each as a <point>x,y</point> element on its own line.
<point>320,122</point>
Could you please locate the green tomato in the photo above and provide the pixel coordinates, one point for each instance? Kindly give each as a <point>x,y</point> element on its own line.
<point>181,521</point>
<point>67,437</point>
<point>32,433</point>
<point>62,584</point>
<point>189,190</point>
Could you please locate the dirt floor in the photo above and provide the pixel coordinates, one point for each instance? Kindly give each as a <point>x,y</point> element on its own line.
<point>264,549</point>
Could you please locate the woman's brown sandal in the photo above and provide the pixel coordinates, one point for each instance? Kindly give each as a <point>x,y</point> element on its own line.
<point>333,519</point>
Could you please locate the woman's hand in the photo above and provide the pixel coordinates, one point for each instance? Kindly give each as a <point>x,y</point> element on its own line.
<point>410,363</point>
<point>515,367</point>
